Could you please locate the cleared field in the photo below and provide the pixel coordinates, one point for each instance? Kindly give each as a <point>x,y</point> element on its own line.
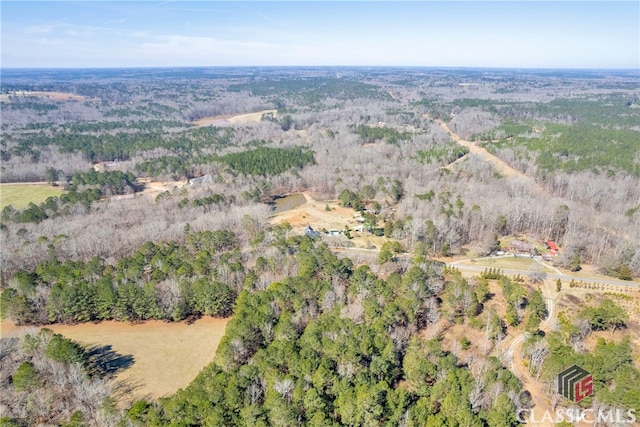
<point>237,119</point>
<point>20,195</point>
<point>315,214</point>
<point>166,356</point>
<point>153,188</point>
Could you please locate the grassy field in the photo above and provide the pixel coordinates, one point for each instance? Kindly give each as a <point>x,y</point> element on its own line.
<point>20,195</point>
<point>166,356</point>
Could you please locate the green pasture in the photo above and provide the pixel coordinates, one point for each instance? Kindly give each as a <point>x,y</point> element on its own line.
<point>20,195</point>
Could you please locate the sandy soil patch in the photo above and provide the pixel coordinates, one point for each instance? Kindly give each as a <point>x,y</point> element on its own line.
<point>153,188</point>
<point>452,334</point>
<point>315,214</point>
<point>166,356</point>
<point>233,119</point>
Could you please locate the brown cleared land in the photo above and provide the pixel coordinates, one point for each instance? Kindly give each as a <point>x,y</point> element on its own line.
<point>166,356</point>
<point>153,188</point>
<point>315,213</point>
<point>233,119</point>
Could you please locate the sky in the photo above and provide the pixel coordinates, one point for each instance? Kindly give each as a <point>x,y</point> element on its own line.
<point>502,34</point>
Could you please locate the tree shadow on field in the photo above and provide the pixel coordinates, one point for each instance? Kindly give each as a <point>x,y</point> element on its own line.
<point>104,361</point>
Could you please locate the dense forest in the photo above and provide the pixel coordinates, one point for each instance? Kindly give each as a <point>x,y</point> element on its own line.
<point>305,351</point>
<point>155,282</point>
<point>168,179</point>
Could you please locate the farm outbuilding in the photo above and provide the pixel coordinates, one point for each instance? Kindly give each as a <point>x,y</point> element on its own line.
<point>553,247</point>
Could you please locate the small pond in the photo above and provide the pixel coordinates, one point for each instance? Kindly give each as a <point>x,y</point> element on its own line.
<point>289,202</point>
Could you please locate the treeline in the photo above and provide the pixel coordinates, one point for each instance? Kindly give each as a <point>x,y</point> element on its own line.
<point>108,182</point>
<point>52,207</point>
<point>95,148</point>
<point>159,281</point>
<point>608,110</point>
<point>264,161</point>
<point>336,345</point>
<point>214,199</point>
<point>574,148</point>
<point>176,165</point>
<point>309,91</point>
<point>149,109</point>
<point>106,126</point>
<point>613,111</point>
<point>442,154</point>
<point>267,161</point>
<point>381,133</point>
<point>50,379</point>
<point>108,146</point>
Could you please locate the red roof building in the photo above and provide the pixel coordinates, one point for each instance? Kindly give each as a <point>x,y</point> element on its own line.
<point>553,247</point>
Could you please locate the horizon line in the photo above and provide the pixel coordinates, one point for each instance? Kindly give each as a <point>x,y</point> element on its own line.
<point>116,67</point>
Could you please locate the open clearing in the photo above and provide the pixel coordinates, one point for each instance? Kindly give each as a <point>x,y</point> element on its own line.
<point>166,356</point>
<point>153,188</point>
<point>233,119</point>
<point>19,195</point>
<point>315,214</point>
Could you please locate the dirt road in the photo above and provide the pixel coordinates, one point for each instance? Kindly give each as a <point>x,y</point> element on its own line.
<point>497,163</point>
<point>539,393</point>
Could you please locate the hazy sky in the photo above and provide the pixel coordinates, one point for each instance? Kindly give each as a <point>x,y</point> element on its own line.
<point>541,34</point>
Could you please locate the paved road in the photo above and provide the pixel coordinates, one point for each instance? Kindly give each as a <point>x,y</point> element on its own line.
<point>605,281</point>
<point>480,269</point>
